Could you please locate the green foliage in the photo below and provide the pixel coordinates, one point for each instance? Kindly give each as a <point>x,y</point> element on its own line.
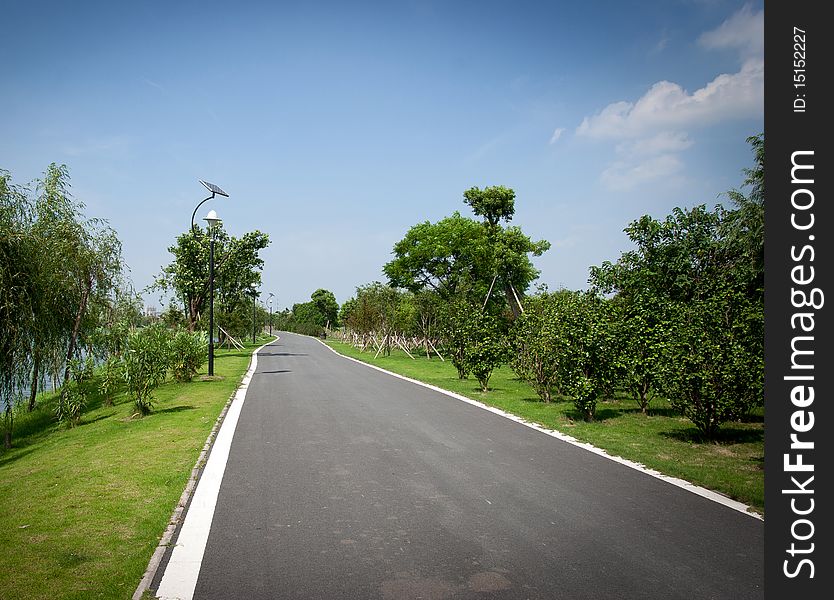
<point>72,398</point>
<point>237,266</point>
<point>146,363</point>
<point>690,300</point>
<point>538,344</point>
<point>460,256</point>
<point>112,375</point>
<point>446,256</point>
<point>71,403</point>
<point>189,351</point>
<point>564,341</point>
<point>456,329</point>
<point>714,367</point>
<point>326,306</point>
<point>313,317</point>
<point>58,274</point>
<point>494,204</point>
<point>18,256</point>
<point>485,349</point>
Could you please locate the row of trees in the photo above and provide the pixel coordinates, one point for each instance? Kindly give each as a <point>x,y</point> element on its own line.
<point>314,317</point>
<point>680,315</point>
<point>61,285</point>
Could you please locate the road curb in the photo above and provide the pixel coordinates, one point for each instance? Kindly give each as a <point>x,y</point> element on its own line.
<point>681,483</point>
<point>176,516</point>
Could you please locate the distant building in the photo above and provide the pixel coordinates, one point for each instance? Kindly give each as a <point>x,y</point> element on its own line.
<point>151,312</point>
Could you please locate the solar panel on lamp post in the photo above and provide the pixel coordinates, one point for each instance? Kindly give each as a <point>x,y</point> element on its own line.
<point>213,221</point>
<point>215,190</point>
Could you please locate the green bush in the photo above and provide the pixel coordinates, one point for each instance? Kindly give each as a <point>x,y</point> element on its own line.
<point>485,350</point>
<point>189,352</point>
<point>73,396</point>
<point>146,361</point>
<point>112,373</point>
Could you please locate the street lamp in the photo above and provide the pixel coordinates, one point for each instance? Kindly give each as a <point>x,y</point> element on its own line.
<point>213,221</point>
<point>269,301</point>
<point>214,191</point>
<point>254,318</point>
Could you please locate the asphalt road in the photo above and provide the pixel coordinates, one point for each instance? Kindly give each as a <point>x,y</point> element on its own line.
<point>344,482</point>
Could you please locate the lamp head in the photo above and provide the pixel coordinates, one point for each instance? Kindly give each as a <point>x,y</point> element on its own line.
<point>212,219</point>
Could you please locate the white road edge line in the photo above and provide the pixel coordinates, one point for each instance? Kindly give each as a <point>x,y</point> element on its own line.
<point>180,576</point>
<point>681,483</point>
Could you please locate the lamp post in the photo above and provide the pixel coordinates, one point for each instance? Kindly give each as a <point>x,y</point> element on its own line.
<point>254,318</point>
<point>214,191</point>
<point>269,301</point>
<point>213,221</point>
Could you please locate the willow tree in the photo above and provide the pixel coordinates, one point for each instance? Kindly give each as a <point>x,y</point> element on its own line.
<point>57,267</point>
<point>17,255</point>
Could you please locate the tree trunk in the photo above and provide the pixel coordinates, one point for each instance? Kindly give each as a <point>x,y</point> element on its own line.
<point>512,300</point>
<point>76,328</point>
<point>35,377</point>
<point>7,438</point>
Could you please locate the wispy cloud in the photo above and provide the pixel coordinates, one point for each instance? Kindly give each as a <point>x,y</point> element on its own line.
<point>744,31</point>
<point>103,145</point>
<point>153,84</point>
<point>626,174</point>
<point>661,43</point>
<point>663,142</point>
<point>557,133</point>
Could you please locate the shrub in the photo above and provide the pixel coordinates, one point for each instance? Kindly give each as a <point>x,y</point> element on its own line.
<point>73,397</point>
<point>112,374</point>
<point>146,362</point>
<point>189,352</point>
<point>485,349</point>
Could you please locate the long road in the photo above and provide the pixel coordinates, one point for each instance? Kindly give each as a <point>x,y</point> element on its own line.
<point>343,482</point>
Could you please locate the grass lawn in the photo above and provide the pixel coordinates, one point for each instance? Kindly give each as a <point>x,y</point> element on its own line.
<point>733,464</point>
<point>82,509</point>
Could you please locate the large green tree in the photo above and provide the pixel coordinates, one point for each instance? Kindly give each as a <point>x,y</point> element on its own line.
<point>458,255</point>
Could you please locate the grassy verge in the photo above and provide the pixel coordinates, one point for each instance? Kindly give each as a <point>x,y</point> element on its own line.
<point>82,509</point>
<point>732,465</point>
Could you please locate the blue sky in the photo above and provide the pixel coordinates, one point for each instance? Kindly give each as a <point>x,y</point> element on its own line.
<point>337,126</point>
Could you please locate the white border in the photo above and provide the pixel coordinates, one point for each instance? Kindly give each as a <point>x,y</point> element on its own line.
<point>681,483</point>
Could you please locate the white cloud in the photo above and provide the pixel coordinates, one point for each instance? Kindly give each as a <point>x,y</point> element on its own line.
<point>651,129</point>
<point>557,134</point>
<point>624,175</point>
<point>668,105</point>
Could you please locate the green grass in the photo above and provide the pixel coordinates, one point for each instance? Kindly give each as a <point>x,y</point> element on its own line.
<point>82,509</point>
<point>733,464</point>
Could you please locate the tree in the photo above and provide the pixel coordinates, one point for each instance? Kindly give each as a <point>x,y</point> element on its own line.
<point>641,323</point>
<point>538,345</point>
<point>494,204</point>
<point>327,307</point>
<point>703,308</point>
<point>17,255</point>
<point>485,349</point>
<point>460,255</point>
<point>237,267</point>
<point>59,273</point>
<point>447,257</point>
